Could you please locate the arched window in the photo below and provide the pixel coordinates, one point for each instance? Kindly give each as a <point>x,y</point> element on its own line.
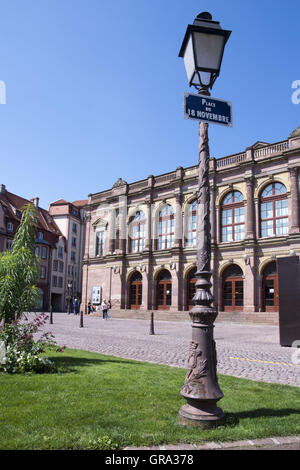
<point>233,217</point>
<point>274,211</point>
<point>191,234</point>
<point>165,228</point>
<point>137,232</point>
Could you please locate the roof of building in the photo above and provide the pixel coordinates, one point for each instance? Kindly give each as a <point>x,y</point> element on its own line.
<point>80,203</point>
<point>12,203</point>
<point>59,201</point>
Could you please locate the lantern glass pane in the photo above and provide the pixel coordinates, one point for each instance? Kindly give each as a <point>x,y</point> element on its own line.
<point>188,59</point>
<point>208,50</point>
<point>205,77</point>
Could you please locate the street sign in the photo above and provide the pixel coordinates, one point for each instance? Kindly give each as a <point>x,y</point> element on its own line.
<point>206,109</point>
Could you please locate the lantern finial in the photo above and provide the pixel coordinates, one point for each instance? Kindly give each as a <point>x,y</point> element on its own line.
<point>204,16</point>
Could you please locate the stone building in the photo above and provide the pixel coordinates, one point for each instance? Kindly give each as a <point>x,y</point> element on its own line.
<point>140,248</point>
<point>70,218</point>
<point>47,236</point>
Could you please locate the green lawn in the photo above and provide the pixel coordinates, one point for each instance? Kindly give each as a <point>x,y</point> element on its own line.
<point>101,401</point>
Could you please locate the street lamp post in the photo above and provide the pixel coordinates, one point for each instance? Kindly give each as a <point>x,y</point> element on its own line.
<point>202,51</point>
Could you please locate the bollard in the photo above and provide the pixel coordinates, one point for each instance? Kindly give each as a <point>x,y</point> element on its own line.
<point>81,319</point>
<point>51,316</point>
<point>152,324</point>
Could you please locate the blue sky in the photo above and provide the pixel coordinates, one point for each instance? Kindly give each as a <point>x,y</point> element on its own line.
<point>94,89</point>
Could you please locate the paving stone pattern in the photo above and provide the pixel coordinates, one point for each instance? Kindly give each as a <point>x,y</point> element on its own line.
<point>243,350</point>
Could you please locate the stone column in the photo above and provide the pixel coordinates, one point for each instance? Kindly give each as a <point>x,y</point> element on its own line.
<point>122,223</point>
<point>178,222</point>
<point>148,242</point>
<point>295,225</point>
<point>250,229</point>
<point>249,286</point>
<point>111,231</point>
<point>145,291</point>
<point>175,288</point>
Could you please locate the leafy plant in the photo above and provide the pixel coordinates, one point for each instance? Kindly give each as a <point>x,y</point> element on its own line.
<point>22,353</point>
<point>19,271</point>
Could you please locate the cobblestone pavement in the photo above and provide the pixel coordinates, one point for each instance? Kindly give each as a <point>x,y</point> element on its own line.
<point>243,350</point>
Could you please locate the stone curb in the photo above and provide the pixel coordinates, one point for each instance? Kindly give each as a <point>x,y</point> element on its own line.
<point>256,443</point>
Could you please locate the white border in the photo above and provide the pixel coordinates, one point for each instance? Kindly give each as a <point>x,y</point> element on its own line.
<point>186,116</point>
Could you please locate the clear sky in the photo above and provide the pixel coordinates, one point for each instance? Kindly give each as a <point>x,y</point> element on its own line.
<point>94,89</point>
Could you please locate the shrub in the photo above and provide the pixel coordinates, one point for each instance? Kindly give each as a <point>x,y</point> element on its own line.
<point>22,353</point>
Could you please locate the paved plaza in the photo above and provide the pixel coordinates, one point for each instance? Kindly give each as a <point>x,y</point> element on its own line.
<point>243,350</point>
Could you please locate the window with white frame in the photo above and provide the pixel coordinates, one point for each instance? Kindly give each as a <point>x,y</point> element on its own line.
<point>100,235</point>
<point>60,252</point>
<point>43,272</point>
<point>233,217</point>
<point>10,227</point>
<point>191,233</point>
<point>44,252</point>
<point>137,232</point>
<point>274,219</point>
<point>165,228</point>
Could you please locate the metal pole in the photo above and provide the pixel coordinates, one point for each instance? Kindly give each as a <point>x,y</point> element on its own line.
<point>68,300</point>
<point>51,316</point>
<point>152,324</point>
<point>81,319</point>
<point>201,388</point>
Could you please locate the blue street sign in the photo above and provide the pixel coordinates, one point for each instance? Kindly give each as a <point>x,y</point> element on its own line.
<point>206,109</point>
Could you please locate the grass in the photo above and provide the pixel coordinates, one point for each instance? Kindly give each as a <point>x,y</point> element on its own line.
<point>103,402</point>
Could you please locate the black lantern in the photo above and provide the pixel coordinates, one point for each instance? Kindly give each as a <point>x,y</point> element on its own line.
<point>202,50</point>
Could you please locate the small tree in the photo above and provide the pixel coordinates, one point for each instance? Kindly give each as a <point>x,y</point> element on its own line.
<point>19,271</point>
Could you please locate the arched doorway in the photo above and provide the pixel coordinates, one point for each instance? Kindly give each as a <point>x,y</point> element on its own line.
<point>135,291</point>
<point>164,290</point>
<point>270,288</point>
<point>190,287</point>
<point>233,288</point>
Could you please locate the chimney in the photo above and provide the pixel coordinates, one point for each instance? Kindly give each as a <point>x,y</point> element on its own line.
<point>35,201</point>
<point>2,189</point>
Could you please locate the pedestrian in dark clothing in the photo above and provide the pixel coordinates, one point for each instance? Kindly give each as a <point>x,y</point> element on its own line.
<point>104,310</point>
<point>75,306</point>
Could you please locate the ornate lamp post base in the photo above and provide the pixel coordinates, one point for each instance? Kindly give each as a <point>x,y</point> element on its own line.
<point>201,389</point>
<point>205,416</point>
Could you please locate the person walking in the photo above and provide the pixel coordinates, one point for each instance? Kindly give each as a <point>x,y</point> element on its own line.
<point>104,310</point>
<point>75,306</point>
<point>108,310</point>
